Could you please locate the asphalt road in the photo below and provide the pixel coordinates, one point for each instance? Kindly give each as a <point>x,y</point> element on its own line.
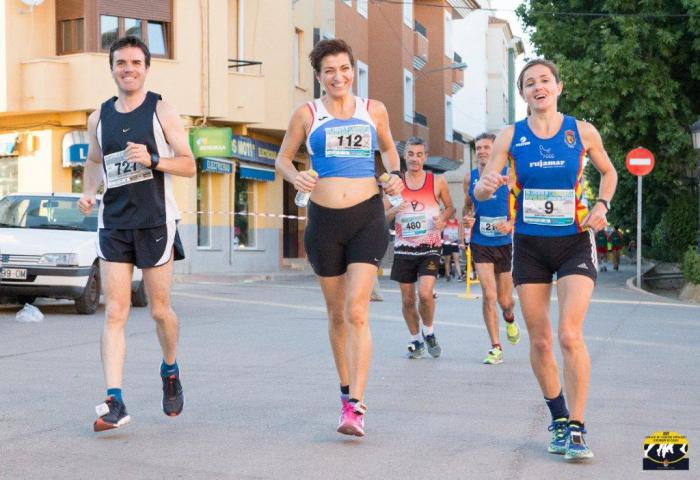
<point>262,400</point>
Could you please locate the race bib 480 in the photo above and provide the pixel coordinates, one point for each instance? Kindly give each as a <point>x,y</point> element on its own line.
<point>349,141</point>
<point>121,172</point>
<point>549,207</point>
<point>413,225</point>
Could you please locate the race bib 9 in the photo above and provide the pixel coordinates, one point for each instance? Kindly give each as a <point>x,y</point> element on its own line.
<point>121,172</point>
<point>487,226</point>
<point>349,141</point>
<point>414,225</point>
<point>549,207</point>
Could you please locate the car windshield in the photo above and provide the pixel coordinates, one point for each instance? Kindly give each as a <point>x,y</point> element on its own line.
<point>45,212</point>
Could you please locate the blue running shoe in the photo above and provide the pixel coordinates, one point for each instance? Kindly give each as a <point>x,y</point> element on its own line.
<point>559,429</point>
<point>576,448</point>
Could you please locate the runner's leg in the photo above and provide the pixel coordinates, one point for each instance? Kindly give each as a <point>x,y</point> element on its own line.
<point>116,285</point>
<point>426,302</point>
<point>488,288</point>
<point>333,289</point>
<point>408,307</point>
<point>158,281</point>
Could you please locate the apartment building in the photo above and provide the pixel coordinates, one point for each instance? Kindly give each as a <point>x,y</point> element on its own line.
<point>234,69</point>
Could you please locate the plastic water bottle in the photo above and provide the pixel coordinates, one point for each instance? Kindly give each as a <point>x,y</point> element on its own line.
<point>302,198</point>
<point>395,200</point>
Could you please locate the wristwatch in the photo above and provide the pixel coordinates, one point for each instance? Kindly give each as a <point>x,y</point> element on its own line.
<point>605,203</point>
<point>154,161</point>
<point>396,172</point>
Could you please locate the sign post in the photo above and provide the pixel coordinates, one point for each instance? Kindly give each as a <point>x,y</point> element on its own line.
<point>639,162</point>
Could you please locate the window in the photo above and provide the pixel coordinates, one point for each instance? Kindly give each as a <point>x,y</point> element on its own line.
<point>296,56</point>
<point>9,175</point>
<point>77,180</point>
<point>362,80</point>
<point>348,3</point>
<point>244,225</point>
<point>448,119</point>
<point>362,7</point>
<point>133,27</point>
<point>408,13</point>
<point>72,36</point>
<point>407,96</point>
<point>109,31</point>
<point>204,195</point>
<point>154,34</point>
<point>449,52</point>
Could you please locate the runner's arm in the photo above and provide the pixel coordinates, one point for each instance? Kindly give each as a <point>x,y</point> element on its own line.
<point>387,148</point>
<point>182,164</point>
<point>608,175</point>
<point>92,173</point>
<point>293,138</point>
<point>444,195</point>
<point>491,177</point>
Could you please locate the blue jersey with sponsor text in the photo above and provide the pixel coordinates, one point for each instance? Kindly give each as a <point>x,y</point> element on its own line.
<point>548,181</point>
<point>488,213</point>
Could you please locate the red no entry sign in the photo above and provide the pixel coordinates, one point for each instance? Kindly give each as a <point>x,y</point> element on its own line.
<point>640,161</point>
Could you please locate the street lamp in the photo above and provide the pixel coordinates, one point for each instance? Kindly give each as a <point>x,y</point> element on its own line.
<point>695,132</point>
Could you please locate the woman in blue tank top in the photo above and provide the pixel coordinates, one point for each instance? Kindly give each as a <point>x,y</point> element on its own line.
<point>346,233</point>
<point>554,234</point>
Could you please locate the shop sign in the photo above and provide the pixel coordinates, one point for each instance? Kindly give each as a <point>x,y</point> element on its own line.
<point>243,148</point>
<point>217,165</point>
<point>211,142</point>
<point>75,148</point>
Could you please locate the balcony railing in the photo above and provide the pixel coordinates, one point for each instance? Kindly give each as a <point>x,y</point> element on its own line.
<point>420,28</point>
<point>420,119</point>
<point>240,64</point>
<point>458,137</point>
<point>420,47</point>
<point>457,58</point>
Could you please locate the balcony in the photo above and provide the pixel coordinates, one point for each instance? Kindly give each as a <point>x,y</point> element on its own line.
<point>457,76</point>
<point>420,126</point>
<point>420,46</point>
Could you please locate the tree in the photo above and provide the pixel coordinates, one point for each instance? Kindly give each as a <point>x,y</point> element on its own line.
<point>630,68</point>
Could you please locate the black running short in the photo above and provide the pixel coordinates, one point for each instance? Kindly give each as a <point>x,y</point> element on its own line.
<point>536,259</point>
<point>500,256</point>
<point>407,268</point>
<point>449,249</point>
<point>144,247</point>
<point>337,237</point>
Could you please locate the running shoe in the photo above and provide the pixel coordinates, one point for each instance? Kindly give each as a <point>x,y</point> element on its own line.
<point>352,420</point>
<point>559,429</point>
<point>494,357</point>
<point>416,349</point>
<point>173,399</point>
<point>512,332</point>
<point>576,448</point>
<point>112,414</point>
<point>434,348</point>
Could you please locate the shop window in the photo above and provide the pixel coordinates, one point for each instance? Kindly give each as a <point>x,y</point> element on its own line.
<point>71,36</point>
<point>204,220</point>
<point>244,225</point>
<point>77,180</point>
<point>9,175</point>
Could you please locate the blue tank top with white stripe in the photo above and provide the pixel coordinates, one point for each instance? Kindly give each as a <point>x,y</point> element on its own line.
<point>488,213</point>
<point>342,148</point>
<point>548,180</point>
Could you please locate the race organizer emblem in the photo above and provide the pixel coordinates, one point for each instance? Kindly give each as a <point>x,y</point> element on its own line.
<point>570,138</point>
<point>549,207</point>
<point>121,172</point>
<point>349,141</point>
<point>665,451</point>
<point>487,226</point>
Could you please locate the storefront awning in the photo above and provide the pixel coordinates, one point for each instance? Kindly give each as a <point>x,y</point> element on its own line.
<point>8,142</point>
<point>257,172</point>
<point>75,148</point>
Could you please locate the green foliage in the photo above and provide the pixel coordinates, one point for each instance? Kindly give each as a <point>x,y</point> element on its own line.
<point>691,266</point>
<point>636,78</point>
<point>676,230</point>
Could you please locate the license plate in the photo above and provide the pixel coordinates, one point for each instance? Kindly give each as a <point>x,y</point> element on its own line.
<point>13,274</point>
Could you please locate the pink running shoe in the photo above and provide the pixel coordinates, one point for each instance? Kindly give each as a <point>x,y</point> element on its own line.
<point>352,420</point>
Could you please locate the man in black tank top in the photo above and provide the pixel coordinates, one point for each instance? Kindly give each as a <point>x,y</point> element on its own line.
<point>137,142</point>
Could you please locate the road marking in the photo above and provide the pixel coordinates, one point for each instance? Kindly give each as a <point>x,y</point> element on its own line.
<point>396,318</point>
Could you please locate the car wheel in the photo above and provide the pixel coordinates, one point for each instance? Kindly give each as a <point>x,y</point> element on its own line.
<point>88,302</point>
<point>138,296</point>
<point>25,299</point>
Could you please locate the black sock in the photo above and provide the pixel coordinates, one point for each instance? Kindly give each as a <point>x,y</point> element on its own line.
<point>497,345</point>
<point>557,406</point>
<point>354,400</point>
<point>345,389</point>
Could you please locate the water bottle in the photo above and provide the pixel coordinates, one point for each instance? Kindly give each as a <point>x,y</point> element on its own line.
<point>302,198</point>
<point>395,200</point>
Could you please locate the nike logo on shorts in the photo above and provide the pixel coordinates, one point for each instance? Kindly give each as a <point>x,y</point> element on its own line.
<point>159,239</point>
<point>124,130</point>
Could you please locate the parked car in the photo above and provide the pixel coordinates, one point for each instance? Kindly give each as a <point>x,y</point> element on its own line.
<point>47,249</point>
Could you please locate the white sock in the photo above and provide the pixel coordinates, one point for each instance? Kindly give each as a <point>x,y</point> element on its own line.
<point>428,330</point>
<point>416,338</point>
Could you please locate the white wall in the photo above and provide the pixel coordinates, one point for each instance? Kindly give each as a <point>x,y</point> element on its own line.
<point>497,60</point>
